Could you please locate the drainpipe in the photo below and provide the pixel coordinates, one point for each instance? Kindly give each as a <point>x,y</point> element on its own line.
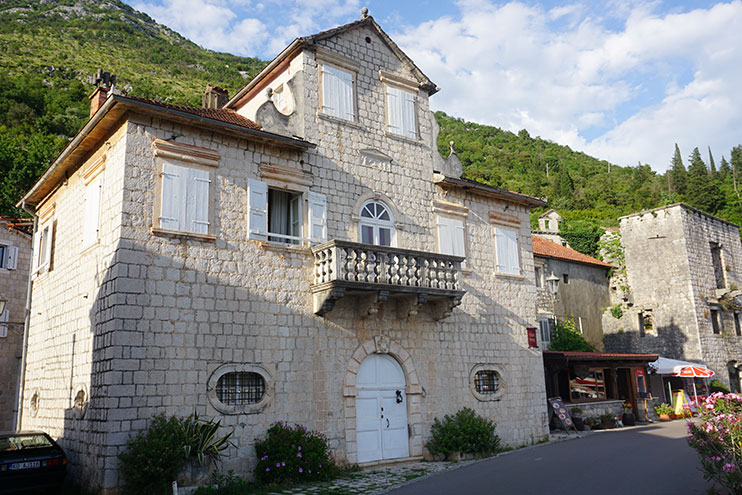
<point>26,322</point>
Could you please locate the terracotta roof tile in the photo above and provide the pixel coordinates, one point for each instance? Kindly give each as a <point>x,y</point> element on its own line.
<point>221,114</point>
<point>548,249</point>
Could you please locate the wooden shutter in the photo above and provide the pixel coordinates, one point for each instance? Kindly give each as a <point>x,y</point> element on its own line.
<point>394,109</point>
<point>345,83</point>
<point>36,246</point>
<point>11,257</point>
<point>409,126</point>
<point>445,236</point>
<point>329,91</point>
<point>92,213</point>
<point>4,318</point>
<point>197,204</point>
<point>452,237</point>
<point>508,260</point>
<point>317,217</point>
<point>172,205</point>
<point>257,217</point>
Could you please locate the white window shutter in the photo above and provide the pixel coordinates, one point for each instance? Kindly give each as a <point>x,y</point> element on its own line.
<point>36,247</point>
<point>92,213</point>
<point>257,217</point>
<point>394,110</point>
<point>173,196</point>
<point>508,260</point>
<point>345,80</point>
<point>197,203</point>
<point>445,237</point>
<point>4,318</point>
<point>459,239</point>
<point>330,95</point>
<point>514,257</point>
<point>11,257</point>
<point>48,245</point>
<point>408,115</point>
<point>317,217</point>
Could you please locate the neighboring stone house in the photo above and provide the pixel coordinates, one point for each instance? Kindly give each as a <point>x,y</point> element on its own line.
<point>326,267</point>
<point>678,293</point>
<point>15,260</point>
<point>581,284</point>
<point>548,227</point>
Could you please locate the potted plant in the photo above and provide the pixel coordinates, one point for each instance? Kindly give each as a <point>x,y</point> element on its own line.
<point>577,418</point>
<point>628,414</point>
<point>608,421</point>
<point>664,411</point>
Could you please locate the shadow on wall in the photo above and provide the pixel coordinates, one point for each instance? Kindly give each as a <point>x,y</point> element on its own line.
<point>668,341</point>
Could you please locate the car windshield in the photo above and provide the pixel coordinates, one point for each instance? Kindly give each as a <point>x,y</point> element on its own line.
<point>22,442</point>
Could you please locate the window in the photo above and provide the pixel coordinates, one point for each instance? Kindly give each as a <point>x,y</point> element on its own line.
<point>400,112</point>
<point>91,213</point>
<point>184,203</point>
<point>506,243</point>
<point>737,327</point>
<point>717,263</point>
<point>565,278</point>
<point>337,93</point>
<point>277,215</point>
<point>240,388</point>
<point>646,322</point>
<point>539,277</point>
<point>4,319</point>
<point>43,247</point>
<point>587,385</point>
<point>486,382</point>
<point>451,237</point>
<point>377,224</point>
<point>8,257</point>
<point>716,321</point>
<point>546,325</point>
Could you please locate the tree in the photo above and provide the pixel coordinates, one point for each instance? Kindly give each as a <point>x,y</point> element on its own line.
<point>712,166</point>
<point>567,338</point>
<point>724,169</point>
<point>702,191</point>
<point>678,174</point>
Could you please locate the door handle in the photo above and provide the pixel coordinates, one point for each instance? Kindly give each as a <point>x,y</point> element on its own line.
<point>399,396</point>
<point>387,422</point>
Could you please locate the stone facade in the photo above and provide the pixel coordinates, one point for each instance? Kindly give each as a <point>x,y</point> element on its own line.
<point>674,288</point>
<point>144,321</point>
<point>13,289</point>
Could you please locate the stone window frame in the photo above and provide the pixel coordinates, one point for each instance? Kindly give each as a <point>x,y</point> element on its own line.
<point>499,220</point>
<point>187,156</point>
<point>399,225</point>
<point>499,371</point>
<point>392,80</point>
<point>324,57</point>
<point>717,324</point>
<point>240,408</point>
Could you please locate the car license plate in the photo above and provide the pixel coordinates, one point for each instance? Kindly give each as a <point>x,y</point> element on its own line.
<point>24,465</point>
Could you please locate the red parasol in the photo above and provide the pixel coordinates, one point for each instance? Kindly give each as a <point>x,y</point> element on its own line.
<point>695,371</point>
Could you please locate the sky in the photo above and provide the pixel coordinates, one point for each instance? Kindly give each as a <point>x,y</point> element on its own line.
<point>621,80</point>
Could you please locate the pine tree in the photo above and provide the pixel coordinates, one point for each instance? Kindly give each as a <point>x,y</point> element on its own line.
<point>702,191</point>
<point>678,174</point>
<point>724,168</point>
<point>712,166</point>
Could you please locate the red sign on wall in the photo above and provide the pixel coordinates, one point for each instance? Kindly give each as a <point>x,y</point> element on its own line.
<point>532,340</point>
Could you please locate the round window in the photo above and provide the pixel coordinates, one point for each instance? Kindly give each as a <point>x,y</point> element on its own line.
<point>240,388</point>
<point>487,382</point>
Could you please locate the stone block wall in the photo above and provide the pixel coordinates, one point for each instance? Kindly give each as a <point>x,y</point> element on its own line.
<point>13,289</point>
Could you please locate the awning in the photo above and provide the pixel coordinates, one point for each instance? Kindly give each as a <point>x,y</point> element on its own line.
<point>676,367</point>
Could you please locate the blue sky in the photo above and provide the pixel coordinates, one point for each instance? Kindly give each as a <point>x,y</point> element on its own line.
<point>622,80</point>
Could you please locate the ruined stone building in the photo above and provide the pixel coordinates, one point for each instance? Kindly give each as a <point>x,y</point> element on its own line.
<point>678,292</point>
<point>15,261</point>
<point>570,285</point>
<point>300,253</point>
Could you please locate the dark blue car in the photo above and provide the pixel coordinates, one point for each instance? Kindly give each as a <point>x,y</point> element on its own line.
<point>31,462</point>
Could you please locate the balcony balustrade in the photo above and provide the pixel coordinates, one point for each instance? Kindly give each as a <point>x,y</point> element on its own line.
<point>375,273</point>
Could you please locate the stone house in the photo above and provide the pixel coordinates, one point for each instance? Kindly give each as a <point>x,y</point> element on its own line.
<point>581,284</point>
<point>300,253</point>
<point>677,294</point>
<point>15,262</point>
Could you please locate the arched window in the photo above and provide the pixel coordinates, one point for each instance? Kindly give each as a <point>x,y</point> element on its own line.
<point>377,224</point>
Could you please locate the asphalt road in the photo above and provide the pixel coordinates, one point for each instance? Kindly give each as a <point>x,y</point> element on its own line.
<point>653,459</point>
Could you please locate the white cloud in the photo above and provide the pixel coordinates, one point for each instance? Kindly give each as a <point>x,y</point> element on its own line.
<point>510,66</point>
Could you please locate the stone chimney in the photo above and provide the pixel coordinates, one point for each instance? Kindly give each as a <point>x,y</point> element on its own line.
<point>215,97</point>
<point>104,83</point>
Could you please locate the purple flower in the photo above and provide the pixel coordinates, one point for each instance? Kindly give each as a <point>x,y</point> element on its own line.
<point>301,470</point>
<point>267,469</point>
<point>283,464</point>
<point>278,464</point>
<point>299,447</point>
<point>310,471</point>
<point>728,468</point>
<point>298,455</point>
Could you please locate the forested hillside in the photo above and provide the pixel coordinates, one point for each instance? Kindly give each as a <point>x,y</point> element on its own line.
<point>49,52</point>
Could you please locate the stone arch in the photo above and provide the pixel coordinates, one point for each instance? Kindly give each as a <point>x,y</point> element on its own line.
<point>413,391</point>
<point>376,196</point>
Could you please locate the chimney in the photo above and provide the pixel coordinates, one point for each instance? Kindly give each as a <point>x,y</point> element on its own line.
<point>104,83</point>
<point>215,97</point>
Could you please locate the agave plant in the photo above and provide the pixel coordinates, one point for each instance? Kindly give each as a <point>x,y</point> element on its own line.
<point>200,439</point>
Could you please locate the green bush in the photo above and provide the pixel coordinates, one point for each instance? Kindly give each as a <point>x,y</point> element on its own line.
<point>225,484</point>
<point>567,338</point>
<point>718,386</point>
<point>663,409</point>
<point>293,454</point>
<point>154,457</point>
<point>465,432</point>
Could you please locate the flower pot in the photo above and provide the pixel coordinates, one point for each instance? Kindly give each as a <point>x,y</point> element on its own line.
<point>194,474</point>
<point>607,423</point>
<point>579,423</point>
<point>628,419</point>
<point>664,417</point>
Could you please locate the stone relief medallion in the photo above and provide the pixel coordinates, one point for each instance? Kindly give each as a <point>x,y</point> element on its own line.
<point>382,344</point>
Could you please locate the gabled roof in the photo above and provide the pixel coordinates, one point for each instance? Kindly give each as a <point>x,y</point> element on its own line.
<point>548,249</point>
<point>311,40</point>
<point>225,115</point>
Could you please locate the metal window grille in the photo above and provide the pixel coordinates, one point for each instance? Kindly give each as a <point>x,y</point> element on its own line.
<point>239,388</point>
<point>486,382</point>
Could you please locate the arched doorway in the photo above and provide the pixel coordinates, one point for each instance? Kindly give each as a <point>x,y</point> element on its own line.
<point>381,410</point>
<point>733,370</point>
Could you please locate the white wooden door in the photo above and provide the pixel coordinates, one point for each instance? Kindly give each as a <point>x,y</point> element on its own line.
<point>381,410</point>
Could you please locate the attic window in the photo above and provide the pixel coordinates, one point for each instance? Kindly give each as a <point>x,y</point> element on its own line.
<point>368,40</point>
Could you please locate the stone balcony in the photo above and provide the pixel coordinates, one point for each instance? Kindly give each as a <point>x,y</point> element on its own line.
<point>374,274</point>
